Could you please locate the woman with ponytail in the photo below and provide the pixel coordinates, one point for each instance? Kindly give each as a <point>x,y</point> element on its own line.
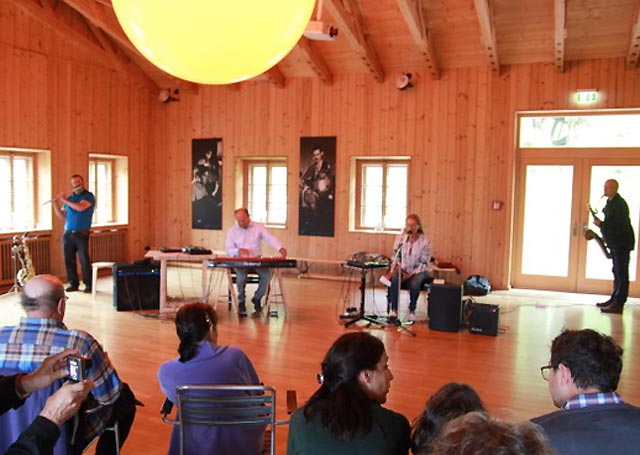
<point>202,361</point>
<point>345,416</point>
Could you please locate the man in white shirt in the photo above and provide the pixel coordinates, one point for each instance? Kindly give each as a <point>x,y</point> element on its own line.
<point>244,240</point>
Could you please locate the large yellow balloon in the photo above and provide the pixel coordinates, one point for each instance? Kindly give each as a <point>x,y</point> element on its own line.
<point>214,41</point>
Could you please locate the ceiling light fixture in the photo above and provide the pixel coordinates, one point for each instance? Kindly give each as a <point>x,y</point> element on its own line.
<point>214,41</point>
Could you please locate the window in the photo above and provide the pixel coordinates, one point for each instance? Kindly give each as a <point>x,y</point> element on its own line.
<point>381,193</point>
<point>25,187</point>
<point>108,181</point>
<point>266,191</point>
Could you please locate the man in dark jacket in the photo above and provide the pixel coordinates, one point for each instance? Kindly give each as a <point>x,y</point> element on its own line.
<point>618,235</point>
<point>583,375</point>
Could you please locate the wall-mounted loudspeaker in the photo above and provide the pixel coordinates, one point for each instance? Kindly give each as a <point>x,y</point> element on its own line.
<point>445,308</point>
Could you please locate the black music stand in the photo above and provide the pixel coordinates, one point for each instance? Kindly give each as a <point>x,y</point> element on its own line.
<point>364,268</point>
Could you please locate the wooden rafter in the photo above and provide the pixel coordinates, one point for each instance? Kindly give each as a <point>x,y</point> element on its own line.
<point>95,13</point>
<point>316,61</point>
<point>414,17</point>
<point>352,27</point>
<point>634,41</point>
<point>559,33</point>
<point>488,32</point>
<point>275,76</point>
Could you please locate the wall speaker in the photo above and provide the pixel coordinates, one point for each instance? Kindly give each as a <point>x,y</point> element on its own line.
<point>445,308</point>
<point>136,287</point>
<point>484,319</point>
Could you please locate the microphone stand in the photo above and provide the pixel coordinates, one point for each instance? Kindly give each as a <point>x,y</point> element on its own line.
<point>398,256</point>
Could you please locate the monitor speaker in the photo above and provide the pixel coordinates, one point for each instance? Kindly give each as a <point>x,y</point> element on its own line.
<point>484,319</point>
<point>136,287</point>
<point>445,308</point>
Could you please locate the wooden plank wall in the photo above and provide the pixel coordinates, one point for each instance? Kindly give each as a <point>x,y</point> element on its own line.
<point>54,96</point>
<point>459,132</point>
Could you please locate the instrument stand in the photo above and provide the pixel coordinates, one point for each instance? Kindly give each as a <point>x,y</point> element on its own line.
<point>361,314</point>
<point>14,270</point>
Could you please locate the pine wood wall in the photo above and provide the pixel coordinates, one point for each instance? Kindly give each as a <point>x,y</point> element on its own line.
<point>459,132</point>
<point>56,97</point>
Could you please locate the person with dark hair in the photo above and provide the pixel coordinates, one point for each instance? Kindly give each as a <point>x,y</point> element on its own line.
<point>450,401</point>
<point>583,376</point>
<point>244,239</point>
<point>202,361</point>
<point>77,212</point>
<point>410,265</point>
<point>345,415</point>
<point>41,435</point>
<point>618,235</point>
<point>477,433</point>
<point>43,333</point>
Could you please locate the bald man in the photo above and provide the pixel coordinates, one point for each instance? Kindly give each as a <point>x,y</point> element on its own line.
<point>42,333</point>
<point>618,235</point>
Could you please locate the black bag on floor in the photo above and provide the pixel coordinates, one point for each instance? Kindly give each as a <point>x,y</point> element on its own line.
<point>477,285</point>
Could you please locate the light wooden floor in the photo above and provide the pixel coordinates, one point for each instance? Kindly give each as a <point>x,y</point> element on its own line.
<point>503,369</point>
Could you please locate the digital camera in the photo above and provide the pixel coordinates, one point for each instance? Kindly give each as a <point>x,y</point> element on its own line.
<point>78,366</point>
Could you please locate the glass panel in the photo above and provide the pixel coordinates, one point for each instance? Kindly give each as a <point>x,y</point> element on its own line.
<point>278,195</point>
<point>547,220</point>
<point>396,196</point>
<point>257,194</point>
<point>371,197</point>
<point>23,202</point>
<point>5,193</point>
<point>598,266</point>
<point>610,130</point>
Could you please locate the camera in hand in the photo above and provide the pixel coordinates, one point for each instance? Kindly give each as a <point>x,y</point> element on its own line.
<point>78,366</point>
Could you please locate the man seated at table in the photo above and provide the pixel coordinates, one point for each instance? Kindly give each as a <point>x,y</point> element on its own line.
<point>244,240</point>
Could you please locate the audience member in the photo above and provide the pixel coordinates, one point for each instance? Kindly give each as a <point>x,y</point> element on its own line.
<point>345,416</point>
<point>450,401</point>
<point>477,433</point>
<point>244,240</point>
<point>203,361</point>
<point>583,376</point>
<point>43,333</point>
<point>412,254</point>
<point>41,436</point>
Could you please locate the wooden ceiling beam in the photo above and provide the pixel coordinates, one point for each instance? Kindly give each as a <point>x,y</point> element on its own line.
<point>316,61</point>
<point>352,27</point>
<point>559,33</point>
<point>634,41</point>
<point>122,63</point>
<point>95,13</point>
<point>414,17</point>
<point>275,76</point>
<point>488,33</point>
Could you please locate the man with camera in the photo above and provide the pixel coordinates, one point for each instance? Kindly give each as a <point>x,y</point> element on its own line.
<point>43,333</point>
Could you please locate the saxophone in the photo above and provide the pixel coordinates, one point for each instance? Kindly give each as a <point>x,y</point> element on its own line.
<point>591,235</point>
<point>21,251</point>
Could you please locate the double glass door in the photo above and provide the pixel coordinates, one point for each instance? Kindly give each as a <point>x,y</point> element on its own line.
<point>553,195</point>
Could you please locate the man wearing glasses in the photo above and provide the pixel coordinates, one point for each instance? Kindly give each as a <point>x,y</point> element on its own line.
<point>41,334</point>
<point>583,376</point>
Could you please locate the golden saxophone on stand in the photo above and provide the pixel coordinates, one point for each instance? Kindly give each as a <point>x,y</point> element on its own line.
<point>21,251</point>
<point>590,234</point>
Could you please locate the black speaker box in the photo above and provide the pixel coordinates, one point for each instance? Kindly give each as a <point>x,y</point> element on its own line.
<point>484,319</point>
<point>136,287</point>
<point>445,308</point>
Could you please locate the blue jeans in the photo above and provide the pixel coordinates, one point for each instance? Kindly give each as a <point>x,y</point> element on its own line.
<point>77,242</point>
<point>413,284</point>
<point>241,284</point>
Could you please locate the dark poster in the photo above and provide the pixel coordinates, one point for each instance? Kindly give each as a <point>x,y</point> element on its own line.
<point>206,184</point>
<point>317,186</point>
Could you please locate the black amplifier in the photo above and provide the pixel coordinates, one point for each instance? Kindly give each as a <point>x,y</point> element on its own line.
<point>484,319</point>
<point>136,286</point>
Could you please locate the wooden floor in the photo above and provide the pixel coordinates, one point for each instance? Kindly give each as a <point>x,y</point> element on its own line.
<point>503,369</point>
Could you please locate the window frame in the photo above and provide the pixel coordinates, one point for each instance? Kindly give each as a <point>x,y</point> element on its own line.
<point>111,162</point>
<point>36,193</point>
<point>358,168</point>
<point>269,163</point>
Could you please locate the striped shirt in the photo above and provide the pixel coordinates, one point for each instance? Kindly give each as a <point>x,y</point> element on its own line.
<point>589,399</point>
<point>25,346</point>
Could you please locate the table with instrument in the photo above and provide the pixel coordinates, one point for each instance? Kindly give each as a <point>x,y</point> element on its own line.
<point>165,257</point>
<point>274,264</point>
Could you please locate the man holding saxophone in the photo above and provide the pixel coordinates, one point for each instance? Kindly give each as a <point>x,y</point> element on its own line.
<point>77,211</point>
<point>618,235</point>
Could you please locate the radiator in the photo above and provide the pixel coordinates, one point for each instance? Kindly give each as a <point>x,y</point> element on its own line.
<point>39,248</point>
<point>109,246</point>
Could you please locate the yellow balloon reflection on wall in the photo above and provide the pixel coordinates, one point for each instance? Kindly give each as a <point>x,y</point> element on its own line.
<point>214,41</point>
